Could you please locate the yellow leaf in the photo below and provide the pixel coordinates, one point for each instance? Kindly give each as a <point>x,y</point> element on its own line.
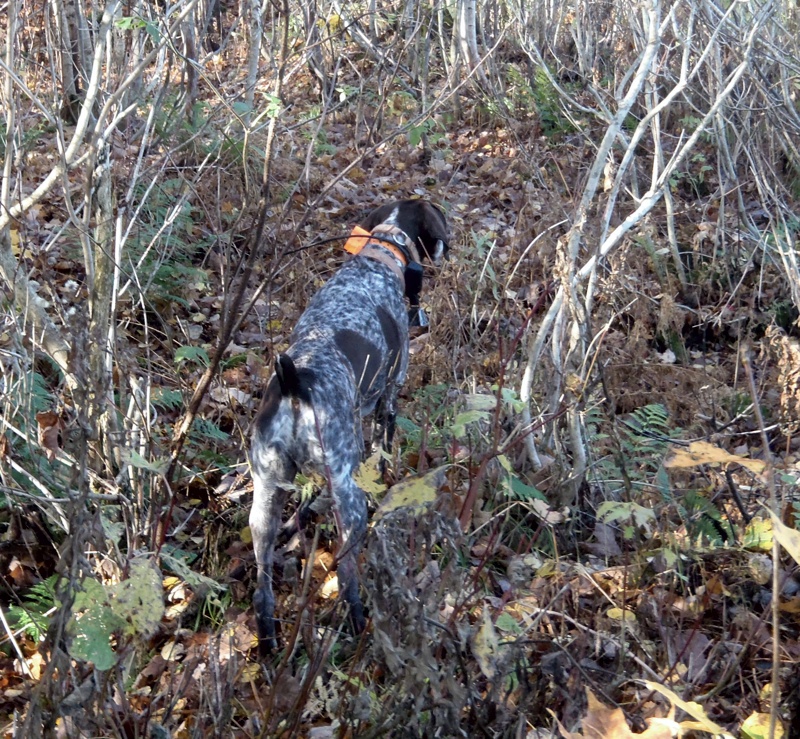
<point>170,582</point>
<point>414,492</point>
<point>758,535</point>
<point>15,242</point>
<point>250,672</point>
<point>701,452</point>
<point>246,535</point>
<point>548,569</point>
<point>695,710</point>
<point>788,538</point>
<point>791,606</point>
<point>756,726</point>
<point>485,646</point>
<point>368,477</point>
<point>618,614</point>
<point>335,23</point>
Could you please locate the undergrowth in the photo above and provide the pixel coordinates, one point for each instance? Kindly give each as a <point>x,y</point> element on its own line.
<point>495,594</point>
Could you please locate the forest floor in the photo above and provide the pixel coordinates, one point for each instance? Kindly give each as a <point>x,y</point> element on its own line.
<point>651,589</point>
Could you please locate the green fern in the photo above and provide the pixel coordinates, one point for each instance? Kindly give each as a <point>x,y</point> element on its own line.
<point>647,434</point>
<point>704,520</point>
<point>644,437</point>
<point>31,616</point>
<point>168,399</point>
<point>205,429</point>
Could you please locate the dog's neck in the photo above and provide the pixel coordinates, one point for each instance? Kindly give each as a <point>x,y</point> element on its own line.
<point>390,245</point>
<point>386,244</point>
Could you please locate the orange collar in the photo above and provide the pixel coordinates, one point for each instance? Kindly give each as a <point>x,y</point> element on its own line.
<point>360,239</point>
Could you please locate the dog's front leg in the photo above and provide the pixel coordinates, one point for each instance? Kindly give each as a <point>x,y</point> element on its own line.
<point>385,420</point>
<point>271,471</point>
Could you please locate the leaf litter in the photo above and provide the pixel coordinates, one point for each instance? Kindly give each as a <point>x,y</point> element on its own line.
<point>455,638</point>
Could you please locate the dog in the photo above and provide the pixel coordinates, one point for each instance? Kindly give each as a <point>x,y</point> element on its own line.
<point>347,358</point>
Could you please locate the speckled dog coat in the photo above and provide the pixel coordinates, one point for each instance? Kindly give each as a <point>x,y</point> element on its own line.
<point>347,358</point>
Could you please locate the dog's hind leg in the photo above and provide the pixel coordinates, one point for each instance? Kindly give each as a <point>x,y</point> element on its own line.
<point>272,471</point>
<point>351,516</point>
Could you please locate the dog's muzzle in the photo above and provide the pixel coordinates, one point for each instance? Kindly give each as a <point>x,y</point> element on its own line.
<point>418,317</point>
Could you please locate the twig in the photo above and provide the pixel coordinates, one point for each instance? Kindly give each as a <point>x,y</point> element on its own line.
<point>776,588</point>
<point>42,488</point>
<point>734,491</point>
<point>12,638</point>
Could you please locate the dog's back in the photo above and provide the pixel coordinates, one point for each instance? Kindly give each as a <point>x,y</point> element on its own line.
<point>360,313</point>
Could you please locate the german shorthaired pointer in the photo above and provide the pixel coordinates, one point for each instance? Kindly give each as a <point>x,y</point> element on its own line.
<point>348,357</point>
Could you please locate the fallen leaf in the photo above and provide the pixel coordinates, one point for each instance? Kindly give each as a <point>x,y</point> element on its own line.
<point>368,476</point>
<point>788,538</point>
<point>547,514</point>
<point>22,576</point>
<point>231,396</point>
<point>606,544</point>
<point>330,588</point>
<point>791,606</point>
<point>250,672</point>
<point>602,722</point>
<point>695,710</point>
<point>701,452</point>
<point>758,535</point>
<point>413,492</point>
<point>756,726</point>
<point>486,645</point>
<point>760,567</point>
<point>618,614</point>
<point>50,427</point>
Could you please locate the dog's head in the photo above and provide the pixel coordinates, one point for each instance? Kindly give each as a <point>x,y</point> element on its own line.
<point>425,229</point>
<point>421,221</point>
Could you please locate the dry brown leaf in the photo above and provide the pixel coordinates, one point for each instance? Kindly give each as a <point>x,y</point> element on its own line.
<point>36,664</point>
<point>602,722</point>
<point>50,427</point>
<point>606,541</point>
<point>701,452</point>
<point>21,575</point>
<point>485,646</point>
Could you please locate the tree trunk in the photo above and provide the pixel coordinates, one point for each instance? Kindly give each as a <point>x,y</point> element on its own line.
<point>468,38</point>
<point>253,55</point>
<point>101,321</point>
<point>71,38</point>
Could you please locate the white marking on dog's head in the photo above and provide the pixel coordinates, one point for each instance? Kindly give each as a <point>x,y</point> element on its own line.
<point>392,219</point>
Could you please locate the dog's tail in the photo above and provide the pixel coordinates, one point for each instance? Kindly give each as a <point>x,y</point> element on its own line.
<point>291,380</point>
